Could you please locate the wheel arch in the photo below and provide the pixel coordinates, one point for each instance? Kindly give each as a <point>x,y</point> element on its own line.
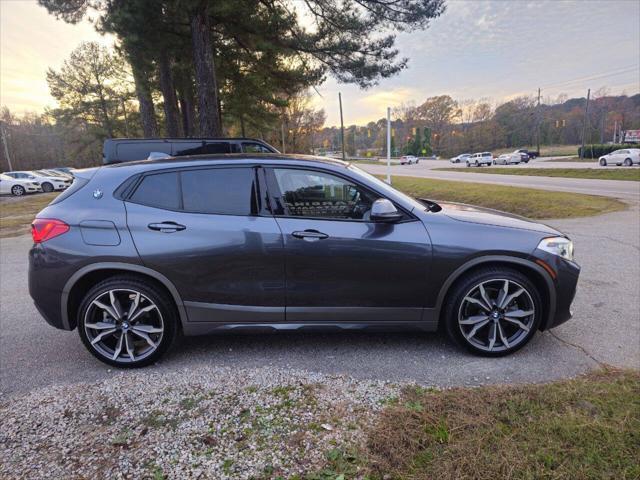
<point>83,279</point>
<point>534,272</point>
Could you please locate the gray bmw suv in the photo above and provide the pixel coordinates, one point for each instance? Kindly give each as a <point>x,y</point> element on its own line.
<point>135,253</point>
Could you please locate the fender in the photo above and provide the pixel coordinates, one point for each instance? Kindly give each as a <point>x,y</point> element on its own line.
<point>502,259</point>
<point>130,267</point>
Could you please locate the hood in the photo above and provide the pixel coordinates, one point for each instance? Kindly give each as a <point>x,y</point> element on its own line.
<point>487,216</point>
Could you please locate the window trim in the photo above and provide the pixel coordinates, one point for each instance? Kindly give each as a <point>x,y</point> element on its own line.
<point>128,188</point>
<point>275,195</point>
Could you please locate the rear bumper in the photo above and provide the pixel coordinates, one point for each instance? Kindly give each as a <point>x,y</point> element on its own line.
<point>45,285</point>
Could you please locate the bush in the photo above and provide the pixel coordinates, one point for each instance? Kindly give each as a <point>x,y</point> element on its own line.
<point>597,150</point>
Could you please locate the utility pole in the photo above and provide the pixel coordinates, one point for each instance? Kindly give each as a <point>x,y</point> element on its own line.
<point>538,124</point>
<point>282,132</point>
<point>389,145</point>
<point>604,120</point>
<point>615,131</point>
<point>341,126</point>
<point>4,142</point>
<point>584,127</point>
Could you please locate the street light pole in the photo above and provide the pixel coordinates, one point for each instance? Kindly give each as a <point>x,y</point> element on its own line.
<point>341,126</point>
<point>389,145</point>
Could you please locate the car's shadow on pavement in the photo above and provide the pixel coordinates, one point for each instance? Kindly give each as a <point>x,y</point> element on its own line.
<point>428,358</point>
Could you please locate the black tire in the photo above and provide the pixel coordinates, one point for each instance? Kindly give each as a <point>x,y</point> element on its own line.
<point>477,164</point>
<point>628,162</point>
<point>494,162</point>
<point>165,306</point>
<point>468,164</point>
<point>47,187</point>
<point>452,307</point>
<point>603,162</point>
<point>18,191</point>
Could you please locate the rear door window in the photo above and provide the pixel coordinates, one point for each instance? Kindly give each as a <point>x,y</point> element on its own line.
<point>160,190</point>
<point>225,191</point>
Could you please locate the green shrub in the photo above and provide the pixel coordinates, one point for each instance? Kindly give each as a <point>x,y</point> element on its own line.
<point>597,150</point>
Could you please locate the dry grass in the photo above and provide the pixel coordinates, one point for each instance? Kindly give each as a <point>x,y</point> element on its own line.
<point>16,214</point>
<point>587,428</point>
<point>527,202</point>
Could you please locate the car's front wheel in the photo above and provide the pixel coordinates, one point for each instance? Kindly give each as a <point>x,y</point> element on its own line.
<point>603,162</point>
<point>493,312</point>
<point>47,187</point>
<point>126,322</point>
<point>628,162</point>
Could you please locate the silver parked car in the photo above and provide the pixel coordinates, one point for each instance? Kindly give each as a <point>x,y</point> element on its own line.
<point>626,157</point>
<point>508,159</point>
<point>462,158</point>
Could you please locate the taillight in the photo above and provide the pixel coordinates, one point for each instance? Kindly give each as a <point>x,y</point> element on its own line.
<point>43,229</point>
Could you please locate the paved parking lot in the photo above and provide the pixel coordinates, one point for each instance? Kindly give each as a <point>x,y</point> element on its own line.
<point>627,190</point>
<point>606,329</point>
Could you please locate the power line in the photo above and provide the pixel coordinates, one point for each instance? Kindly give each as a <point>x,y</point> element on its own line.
<point>619,71</point>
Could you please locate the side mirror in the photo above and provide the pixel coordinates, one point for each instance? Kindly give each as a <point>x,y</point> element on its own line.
<point>384,211</point>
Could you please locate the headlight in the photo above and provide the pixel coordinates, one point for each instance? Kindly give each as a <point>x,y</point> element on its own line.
<point>561,246</point>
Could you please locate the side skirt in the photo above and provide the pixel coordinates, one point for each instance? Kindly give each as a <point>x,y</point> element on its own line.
<point>207,318</point>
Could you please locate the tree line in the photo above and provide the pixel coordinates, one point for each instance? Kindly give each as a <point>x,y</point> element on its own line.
<point>445,127</point>
<point>440,125</point>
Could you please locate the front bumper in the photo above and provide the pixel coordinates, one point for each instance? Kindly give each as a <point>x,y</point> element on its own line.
<point>565,285</point>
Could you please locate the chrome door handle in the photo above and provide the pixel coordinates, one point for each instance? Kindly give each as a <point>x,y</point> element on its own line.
<point>166,227</point>
<point>310,235</point>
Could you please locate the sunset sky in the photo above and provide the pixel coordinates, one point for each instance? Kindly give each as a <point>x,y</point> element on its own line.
<point>493,49</point>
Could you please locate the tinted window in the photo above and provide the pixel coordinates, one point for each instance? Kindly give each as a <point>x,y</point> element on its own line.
<point>159,190</point>
<point>228,191</point>
<point>307,193</point>
<point>254,148</point>
<point>208,148</point>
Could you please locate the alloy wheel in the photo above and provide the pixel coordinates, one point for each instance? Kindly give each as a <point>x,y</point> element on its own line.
<point>17,190</point>
<point>124,325</point>
<point>496,315</point>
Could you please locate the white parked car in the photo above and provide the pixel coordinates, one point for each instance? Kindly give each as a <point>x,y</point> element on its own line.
<point>47,182</point>
<point>462,158</point>
<point>17,186</point>
<point>508,159</point>
<point>626,157</point>
<point>408,159</point>
<point>479,159</point>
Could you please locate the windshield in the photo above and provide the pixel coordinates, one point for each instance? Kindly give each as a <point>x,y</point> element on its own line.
<point>386,188</point>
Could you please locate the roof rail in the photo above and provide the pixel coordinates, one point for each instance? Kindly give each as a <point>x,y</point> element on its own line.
<point>118,150</point>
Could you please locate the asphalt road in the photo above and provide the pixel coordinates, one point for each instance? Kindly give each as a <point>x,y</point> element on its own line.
<point>605,329</point>
<point>627,190</point>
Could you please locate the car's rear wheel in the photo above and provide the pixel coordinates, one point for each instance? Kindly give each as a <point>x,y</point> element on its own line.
<point>126,322</point>
<point>603,162</point>
<point>493,312</point>
<point>628,162</point>
<point>47,187</point>
<point>468,164</point>
<point>18,190</point>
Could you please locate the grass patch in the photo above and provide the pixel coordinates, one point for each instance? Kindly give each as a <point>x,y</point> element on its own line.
<point>527,202</point>
<point>586,428</point>
<point>16,214</point>
<point>576,160</point>
<point>630,174</point>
